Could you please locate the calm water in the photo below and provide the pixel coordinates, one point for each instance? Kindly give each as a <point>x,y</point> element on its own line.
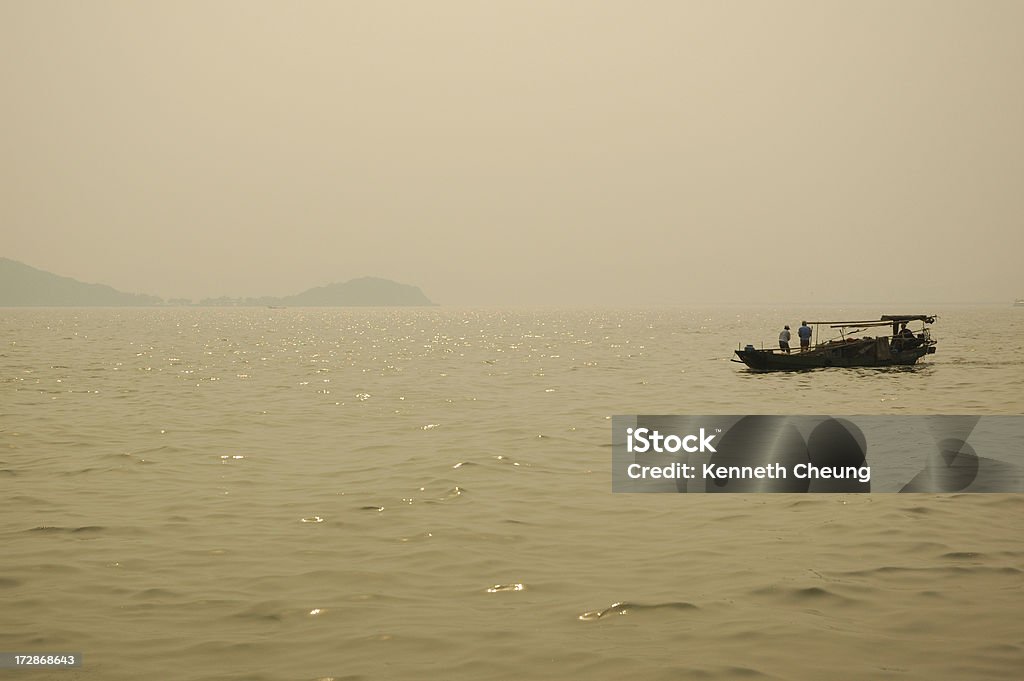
<point>425,493</point>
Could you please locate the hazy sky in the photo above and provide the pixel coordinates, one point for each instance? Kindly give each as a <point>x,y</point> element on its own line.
<point>519,152</point>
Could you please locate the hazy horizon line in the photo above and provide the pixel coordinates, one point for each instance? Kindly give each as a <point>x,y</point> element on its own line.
<point>171,300</point>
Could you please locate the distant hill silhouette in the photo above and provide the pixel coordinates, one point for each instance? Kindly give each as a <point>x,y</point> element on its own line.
<point>22,285</point>
<point>363,291</point>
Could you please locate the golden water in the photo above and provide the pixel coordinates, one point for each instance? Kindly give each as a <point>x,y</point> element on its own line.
<point>425,493</point>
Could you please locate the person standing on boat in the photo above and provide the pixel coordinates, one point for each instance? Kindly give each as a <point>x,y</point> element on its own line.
<point>805,336</point>
<point>784,340</point>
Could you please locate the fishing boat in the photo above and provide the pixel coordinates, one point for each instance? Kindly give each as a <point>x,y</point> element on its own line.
<point>904,346</point>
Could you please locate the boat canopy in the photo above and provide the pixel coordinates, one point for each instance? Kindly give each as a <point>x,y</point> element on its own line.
<point>886,320</point>
<point>926,318</point>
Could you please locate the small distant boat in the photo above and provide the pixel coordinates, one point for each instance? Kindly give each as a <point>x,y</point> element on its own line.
<point>903,347</point>
<point>1019,302</point>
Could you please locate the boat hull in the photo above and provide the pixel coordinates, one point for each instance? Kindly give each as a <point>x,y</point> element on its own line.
<point>868,352</point>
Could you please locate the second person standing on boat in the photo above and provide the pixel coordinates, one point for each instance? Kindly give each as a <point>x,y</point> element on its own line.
<point>805,336</point>
<point>784,340</point>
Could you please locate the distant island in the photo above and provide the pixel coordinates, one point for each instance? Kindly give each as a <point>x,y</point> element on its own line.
<point>24,286</point>
<point>21,285</point>
<point>362,292</point>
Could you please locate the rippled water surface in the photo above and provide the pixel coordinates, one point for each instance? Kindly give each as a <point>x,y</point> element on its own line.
<point>425,493</point>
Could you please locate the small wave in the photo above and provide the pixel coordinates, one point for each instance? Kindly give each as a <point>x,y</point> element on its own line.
<point>88,529</point>
<point>626,608</point>
<point>944,570</point>
<point>57,529</point>
<point>964,555</point>
<point>450,495</point>
<point>811,595</point>
<point>498,588</point>
<point>268,611</point>
<point>156,593</point>
<point>453,493</point>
